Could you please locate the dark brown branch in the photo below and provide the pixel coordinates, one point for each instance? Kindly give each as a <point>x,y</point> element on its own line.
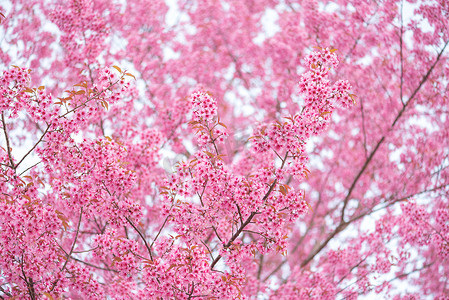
<point>159,232</point>
<point>142,236</point>
<point>5,292</point>
<point>337,230</point>
<point>29,168</point>
<point>29,282</point>
<point>74,241</point>
<point>92,265</point>
<point>35,145</point>
<point>399,115</point>
<point>8,147</point>
<point>250,218</point>
<point>69,255</point>
<point>356,179</point>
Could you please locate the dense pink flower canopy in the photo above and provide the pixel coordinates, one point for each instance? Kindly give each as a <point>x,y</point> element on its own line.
<point>218,149</point>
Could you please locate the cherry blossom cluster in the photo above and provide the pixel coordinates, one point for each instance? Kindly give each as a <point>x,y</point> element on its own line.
<point>225,201</point>
<point>252,208</point>
<point>184,271</point>
<point>280,137</point>
<point>318,94</point>
<point>306,284</point>
<point>341,93</point>
<point>84,31</point>
<point>29,229</point>
<point>12,84</point>
<point>322,61</point>
<point>287,139</point>
<point>426,229</point>
<point>99,176</point>
<point>442,232</point>
<point>120,252</point>
<point>84,284</point>
<point>93,175</point>
<point>208,127</point>
<point>204,107</point>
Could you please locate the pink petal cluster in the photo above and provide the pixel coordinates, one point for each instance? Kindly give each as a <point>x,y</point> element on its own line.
<point>204,150</point>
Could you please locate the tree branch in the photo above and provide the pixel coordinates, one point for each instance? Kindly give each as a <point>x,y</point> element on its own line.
<point>8,147</point>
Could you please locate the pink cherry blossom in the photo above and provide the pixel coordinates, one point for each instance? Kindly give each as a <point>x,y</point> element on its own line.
<point>224,149</point>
